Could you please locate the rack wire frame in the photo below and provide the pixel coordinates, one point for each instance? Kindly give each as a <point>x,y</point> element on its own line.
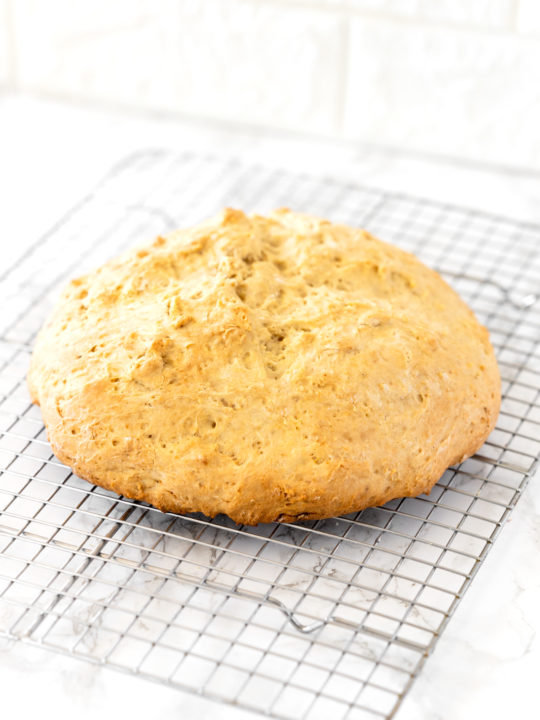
<point>297,620</point>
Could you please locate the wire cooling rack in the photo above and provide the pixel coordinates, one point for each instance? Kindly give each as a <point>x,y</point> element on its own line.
<point>320,619</point>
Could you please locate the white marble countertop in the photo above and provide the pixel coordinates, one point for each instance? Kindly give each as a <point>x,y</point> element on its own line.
<point>486,663</point>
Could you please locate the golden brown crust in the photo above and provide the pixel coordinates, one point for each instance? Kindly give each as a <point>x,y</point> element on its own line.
<point>269,368</point>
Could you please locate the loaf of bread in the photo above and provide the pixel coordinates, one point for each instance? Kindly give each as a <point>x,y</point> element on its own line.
<point>269,368</point>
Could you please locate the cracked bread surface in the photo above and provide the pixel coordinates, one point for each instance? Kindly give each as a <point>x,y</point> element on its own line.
<point>269,368</point>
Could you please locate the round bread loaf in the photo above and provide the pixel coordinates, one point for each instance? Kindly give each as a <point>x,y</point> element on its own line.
<point>269,368</point>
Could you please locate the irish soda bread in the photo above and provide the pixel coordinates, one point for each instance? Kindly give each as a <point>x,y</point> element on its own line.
<point>269,368</point>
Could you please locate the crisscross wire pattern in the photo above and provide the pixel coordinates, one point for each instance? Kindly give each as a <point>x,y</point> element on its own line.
<point>328,618</point>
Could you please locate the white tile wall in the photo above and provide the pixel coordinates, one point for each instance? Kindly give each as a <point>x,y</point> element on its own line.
<point>119,51</point>
<point>456,77</point>
<point>528,18</point>
<point>5,39</point>
<point>261,63</point>
<point>476,95</point>
<point>474,13</point>
<point>236,60</point>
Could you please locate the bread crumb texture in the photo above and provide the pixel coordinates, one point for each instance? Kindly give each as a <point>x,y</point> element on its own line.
<point>269,368</point>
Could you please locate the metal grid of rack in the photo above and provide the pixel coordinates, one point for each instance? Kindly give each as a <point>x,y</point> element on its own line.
<point>299,620</point>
